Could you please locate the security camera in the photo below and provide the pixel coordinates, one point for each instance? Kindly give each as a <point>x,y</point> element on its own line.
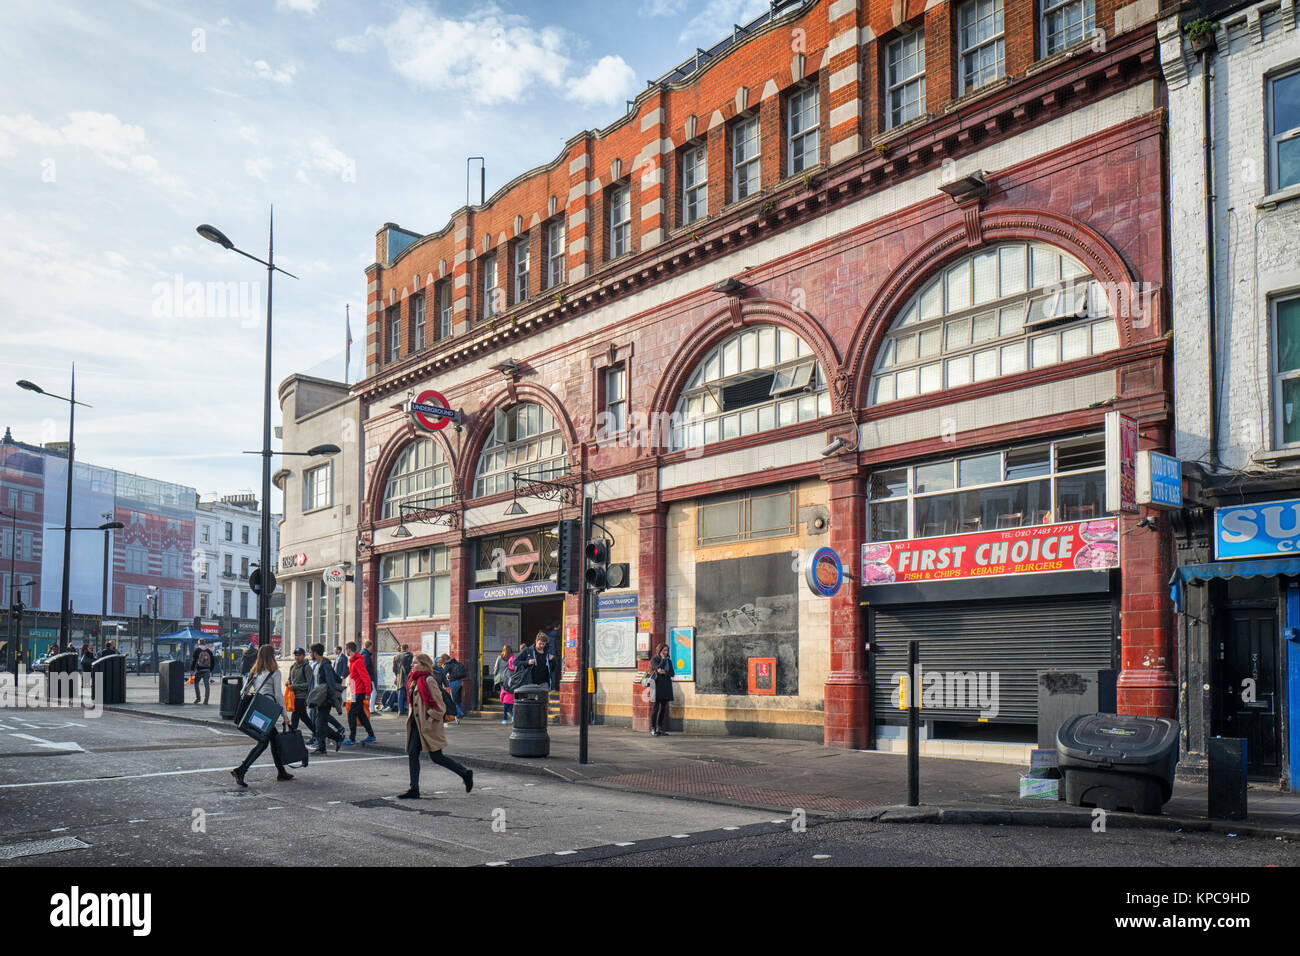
<point>835,445</point>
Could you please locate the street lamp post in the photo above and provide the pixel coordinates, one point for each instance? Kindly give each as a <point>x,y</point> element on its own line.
<point>213,234</point>
<point>64,613</point>
<point>103,593</point>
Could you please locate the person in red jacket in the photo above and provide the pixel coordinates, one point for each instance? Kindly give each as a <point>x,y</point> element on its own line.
<point>361,687</point>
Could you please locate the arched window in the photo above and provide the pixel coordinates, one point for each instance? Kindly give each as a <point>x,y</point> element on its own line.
<point>525,439</point>
<point>1017,306</point>
<point>762,378</point>
<point>421,476</point>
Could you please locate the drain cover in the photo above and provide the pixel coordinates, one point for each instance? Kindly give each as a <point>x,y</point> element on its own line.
<point>39,847</point>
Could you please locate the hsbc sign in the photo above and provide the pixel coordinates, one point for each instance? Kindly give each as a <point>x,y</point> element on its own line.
<point>291,561</point>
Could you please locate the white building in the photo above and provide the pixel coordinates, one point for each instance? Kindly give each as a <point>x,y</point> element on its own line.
<point>321,501</point>
<point>228,542</point>
<point>1233,74</point>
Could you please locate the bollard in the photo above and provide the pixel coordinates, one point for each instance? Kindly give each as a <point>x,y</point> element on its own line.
<point>913,725</point>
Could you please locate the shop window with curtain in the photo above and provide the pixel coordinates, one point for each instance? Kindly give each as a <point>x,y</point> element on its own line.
<point>999,312</point>
<point>414,584</point>
<point>763,378</point>
<point>420,477</point>
<point>1040,483</point>
<point>526,439</point>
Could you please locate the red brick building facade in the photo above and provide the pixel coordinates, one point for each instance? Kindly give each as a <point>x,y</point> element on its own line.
<point>692,384</point>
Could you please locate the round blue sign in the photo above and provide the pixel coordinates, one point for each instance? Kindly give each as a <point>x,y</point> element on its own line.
<point>824,572</point>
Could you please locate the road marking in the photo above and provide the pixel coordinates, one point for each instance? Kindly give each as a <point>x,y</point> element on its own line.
<point>731,828</point>
<point>626,843</point>
<point>135,821</point>
<point>821,856</point>
<point>680,836</point>
<point>67,745</point>
<point>168,773</point>
<point>565,852</point>
<point>499,863</point>
<point>60,829</point>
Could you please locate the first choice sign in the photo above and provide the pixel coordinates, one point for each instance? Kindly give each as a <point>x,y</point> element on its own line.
<point>431,412</point>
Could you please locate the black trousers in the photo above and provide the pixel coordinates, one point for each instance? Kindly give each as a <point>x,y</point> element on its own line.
<point>659,715</point>
<point>274,741</point>
<point>358,712</point>
<point>415,744</point>
<point>323,731</point>
<point>300,713</point>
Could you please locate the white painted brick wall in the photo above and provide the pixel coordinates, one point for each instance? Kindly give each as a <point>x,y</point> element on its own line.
<point>1257,250</point>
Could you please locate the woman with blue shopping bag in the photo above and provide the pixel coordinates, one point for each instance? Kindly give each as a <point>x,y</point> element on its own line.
<point>257,716</point>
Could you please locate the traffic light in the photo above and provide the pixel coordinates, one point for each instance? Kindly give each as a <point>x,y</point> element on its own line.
<point>568,573</point>
<point>597,554</point>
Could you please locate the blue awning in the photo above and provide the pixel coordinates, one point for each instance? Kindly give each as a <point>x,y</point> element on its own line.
<point>1263,568</point>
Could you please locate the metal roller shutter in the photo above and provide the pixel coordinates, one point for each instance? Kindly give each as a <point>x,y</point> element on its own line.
<point>1013,639</point>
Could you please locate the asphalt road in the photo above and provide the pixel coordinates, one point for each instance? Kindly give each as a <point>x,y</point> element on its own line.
<point>150,792</point>
<point>130,790</point>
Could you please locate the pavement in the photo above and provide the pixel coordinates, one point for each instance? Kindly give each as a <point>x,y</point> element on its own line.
<point>769,774</point>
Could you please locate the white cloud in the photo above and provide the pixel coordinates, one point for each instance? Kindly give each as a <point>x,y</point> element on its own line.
<point>257,168</point>
<point>712,24</point>
<point>298,6</point>
<point>662,8</point>
<point>248,134</point>
<point>610,80</point>
<point>492,58</point>
<point>265,71</point>
<point>328,158</point>
<point>116,144</point>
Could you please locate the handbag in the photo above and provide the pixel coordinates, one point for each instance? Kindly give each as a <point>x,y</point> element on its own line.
<point>258,712</point>
<point>292,748</point>
<point>289,698</point>
<point>317,695</point>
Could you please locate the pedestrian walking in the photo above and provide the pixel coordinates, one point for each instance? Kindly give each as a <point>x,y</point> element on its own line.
<point>325,692</point>
<point>456,675</point>
<point>87,658</point>
<point>361,688</point>
<point>300,684</point>
<point>501,672</point>
<point>264,678</point>
<point>443,680</point>
<point>340,664</point>
<point>661,688</point>
<point>402,668</point>
<point>372,668</point>
<point>250,658</point>
<point>424,727</point>
<point>541,661</point>
<point>201,665</point>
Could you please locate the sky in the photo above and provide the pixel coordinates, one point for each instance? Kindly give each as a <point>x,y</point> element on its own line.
<point>124,124</point>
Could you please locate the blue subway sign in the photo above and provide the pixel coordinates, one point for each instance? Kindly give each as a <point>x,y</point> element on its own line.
<point>1265,529</point>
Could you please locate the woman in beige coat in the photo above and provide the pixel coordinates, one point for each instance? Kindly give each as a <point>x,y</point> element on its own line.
<point>424,729</point>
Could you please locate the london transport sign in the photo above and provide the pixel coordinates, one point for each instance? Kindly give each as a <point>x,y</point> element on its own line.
<point>431,412</point>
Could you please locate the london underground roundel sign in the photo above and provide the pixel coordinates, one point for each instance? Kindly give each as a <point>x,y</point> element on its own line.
<point>824,572</point>
<point>430,411</point>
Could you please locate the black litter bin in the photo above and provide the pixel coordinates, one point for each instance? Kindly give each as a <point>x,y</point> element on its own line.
<point>1118,762</point>
<point>528,737</point>
<point>171,682</point>
<point>231,688</point>
<point>62,681</point>
<point>110,673</point>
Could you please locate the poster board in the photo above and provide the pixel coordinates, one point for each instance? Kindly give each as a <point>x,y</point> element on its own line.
<point>384,671</point>
<point>681,646</point>
<point>616,642</point>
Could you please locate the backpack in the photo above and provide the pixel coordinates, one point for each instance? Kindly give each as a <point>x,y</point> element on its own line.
<point>455,670</point>
<point>205,659</point>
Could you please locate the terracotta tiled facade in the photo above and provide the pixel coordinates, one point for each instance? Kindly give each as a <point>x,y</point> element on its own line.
<point>1072,151</point>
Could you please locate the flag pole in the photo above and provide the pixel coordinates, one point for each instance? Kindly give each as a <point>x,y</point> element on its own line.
<point>347,351</point>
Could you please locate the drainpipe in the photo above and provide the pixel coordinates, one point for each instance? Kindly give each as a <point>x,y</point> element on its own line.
<point>1207,88</point>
